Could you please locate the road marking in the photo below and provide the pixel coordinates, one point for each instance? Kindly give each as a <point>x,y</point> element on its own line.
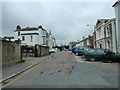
<point>78,58</point>
<point>75,57</point>
<point>88,62</point>
<point>106,63</point>
<point>22,75</point>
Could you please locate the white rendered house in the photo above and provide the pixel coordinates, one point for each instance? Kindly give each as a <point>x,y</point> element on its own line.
<point>110,35</point>
<point>106,34</point>
<point>51,41</point>
<point>117,15</point>
<point>100,33</point>
<point>31,36</point>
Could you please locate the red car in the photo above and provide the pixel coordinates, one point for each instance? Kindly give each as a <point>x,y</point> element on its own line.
<point>29,50</point>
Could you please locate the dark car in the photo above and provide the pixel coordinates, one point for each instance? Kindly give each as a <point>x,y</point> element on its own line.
<point>111,56</point>
<point>86,49</point>
<point>95,54</point>
<point>103,55</point>
<point>73,49</point>
<point>91,55</point>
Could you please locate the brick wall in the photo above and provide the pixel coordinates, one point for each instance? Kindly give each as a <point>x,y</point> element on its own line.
<point>41,50</point>
<point>11,52</point>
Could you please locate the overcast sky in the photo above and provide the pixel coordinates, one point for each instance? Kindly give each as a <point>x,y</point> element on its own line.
<point>66,20</point>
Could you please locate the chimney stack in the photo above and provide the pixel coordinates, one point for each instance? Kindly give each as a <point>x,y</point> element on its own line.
<point>40,26</point>
<point>18,27</point>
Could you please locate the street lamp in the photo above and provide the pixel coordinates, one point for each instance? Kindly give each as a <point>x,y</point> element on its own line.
<point>91,25</point>
<point>94,34</point>
<point>88,25</point>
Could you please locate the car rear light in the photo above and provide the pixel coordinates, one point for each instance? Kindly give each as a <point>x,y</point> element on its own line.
<point>24,50</point>
<point>30,50</point>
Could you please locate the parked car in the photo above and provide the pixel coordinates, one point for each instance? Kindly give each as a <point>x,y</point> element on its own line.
<point>52,51</point>
<point>90,54</point>
<point>86,49</point>
<point>103,55</point>
<point>95,54</point>
<point>78,51</point>
<point>72,49</point>
<point>28,50</point>
<point>111,57</point>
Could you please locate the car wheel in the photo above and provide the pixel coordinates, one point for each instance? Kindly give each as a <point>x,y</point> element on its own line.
<point>76,54</point>
<point>92,59</point>
<point>83,56</point>
<point>102,60</point>
<point>86,59</point>
<point>119,60</point>
<point>110,61</point>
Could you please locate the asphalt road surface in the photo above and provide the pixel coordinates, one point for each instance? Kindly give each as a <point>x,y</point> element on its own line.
<point>64,70</point>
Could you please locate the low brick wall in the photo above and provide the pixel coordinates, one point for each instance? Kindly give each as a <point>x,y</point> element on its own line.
<point>44,50</point>
<point>0,53</point>
<point>11,52</point>
<point>41,50</point>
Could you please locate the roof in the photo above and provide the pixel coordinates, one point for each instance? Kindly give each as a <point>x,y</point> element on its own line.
<point>113,19</point>
<point>27,29</point>
<point>18,28</point>
<point>7,37</point>
<point>116,3</point>
<point>101,20</point>
<point>41,27</point>
<point>30,34</point>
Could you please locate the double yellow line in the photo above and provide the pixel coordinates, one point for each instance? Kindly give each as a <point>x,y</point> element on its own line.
<point>23,74</point>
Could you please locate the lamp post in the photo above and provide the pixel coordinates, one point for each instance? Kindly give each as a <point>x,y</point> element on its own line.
<point>94,34</point>
<point>93,27</point>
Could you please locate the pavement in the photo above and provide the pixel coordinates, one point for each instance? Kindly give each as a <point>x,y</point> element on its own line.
<point>64,70</point>
<point>13,69</point>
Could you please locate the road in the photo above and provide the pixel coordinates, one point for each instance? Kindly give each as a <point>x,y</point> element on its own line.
<point>64,70</point>
<point>10,70</point>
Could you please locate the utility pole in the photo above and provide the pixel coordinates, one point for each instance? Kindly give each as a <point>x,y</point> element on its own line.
<point>94,34</point>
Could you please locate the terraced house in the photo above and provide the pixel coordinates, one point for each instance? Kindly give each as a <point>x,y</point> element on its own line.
<point>106,34</point>
<point>86,42</point>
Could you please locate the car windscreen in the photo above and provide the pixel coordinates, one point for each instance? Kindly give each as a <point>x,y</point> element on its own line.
<point>91,51</point>
<point>80,48</point>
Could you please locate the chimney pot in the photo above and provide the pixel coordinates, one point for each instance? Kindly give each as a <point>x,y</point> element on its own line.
<point>18,27</point>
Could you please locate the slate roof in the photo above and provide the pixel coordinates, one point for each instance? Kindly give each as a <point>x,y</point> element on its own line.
<point>30,34</point>
<point>27,29</point>
<point>116,3</point>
